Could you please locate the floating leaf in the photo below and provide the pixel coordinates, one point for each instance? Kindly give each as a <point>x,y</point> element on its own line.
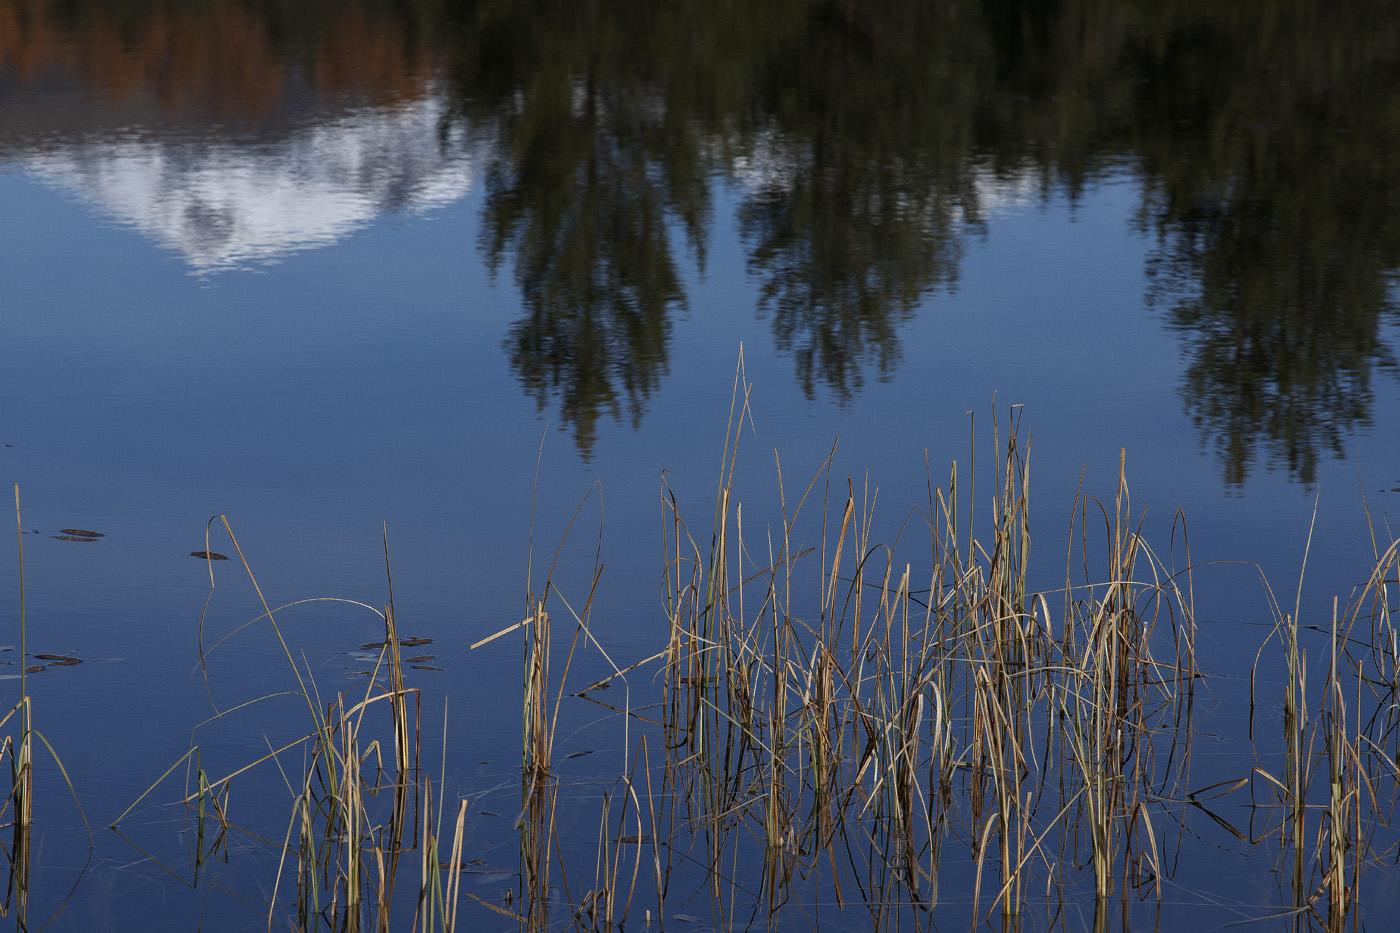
<point>207,555</point>
<point>81,533</point>
<point>34,670</point>
<point>59,660</point>
<point>425,667</point>
<point>71,538</point>
<point>413,642</point>
<point>578,754</point>
<point>421,658</point>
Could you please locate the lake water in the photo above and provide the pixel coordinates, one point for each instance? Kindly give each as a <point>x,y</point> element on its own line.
<point>330,268</point>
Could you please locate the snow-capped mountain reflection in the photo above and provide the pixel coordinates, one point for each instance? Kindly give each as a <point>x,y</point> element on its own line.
<point>234,203</point>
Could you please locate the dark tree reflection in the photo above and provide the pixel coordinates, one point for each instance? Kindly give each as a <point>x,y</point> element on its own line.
<point>1264,134</point>
<point>1272,195</point>
<point>588,175</point>
<point>858,135</point>
<point>610,121</point>
<point>856,218</point>
<point>584,224</point>
<point>1267,140</point>
<point>844,257</point>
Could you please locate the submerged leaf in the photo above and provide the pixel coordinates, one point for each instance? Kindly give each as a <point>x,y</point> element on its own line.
<point>493,877</point>
<point>71,538</point>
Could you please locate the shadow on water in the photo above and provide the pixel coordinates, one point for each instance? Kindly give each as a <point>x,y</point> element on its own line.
<point>864,141</point>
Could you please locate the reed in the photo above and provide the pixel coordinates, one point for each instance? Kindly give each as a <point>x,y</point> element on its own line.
<point>342,849</point>
<point>19,749</point>
<point>844,711</point>
<point>19,741</point>
<point>750,682</point>
<point>1338,780</point>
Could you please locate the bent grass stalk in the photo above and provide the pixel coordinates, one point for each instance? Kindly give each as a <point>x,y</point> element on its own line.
<point>19,748</point>
<point>741,695</point>
<point>815,701</point>
<point>342,860</point>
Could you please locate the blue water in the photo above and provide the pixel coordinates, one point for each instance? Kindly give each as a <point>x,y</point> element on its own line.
<point>348,373</point>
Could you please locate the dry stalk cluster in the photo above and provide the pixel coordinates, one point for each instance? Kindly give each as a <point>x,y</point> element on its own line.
<point>908,710</point>
<point>360,801</point>
<point>840,725</point>
<point>1325,795</point>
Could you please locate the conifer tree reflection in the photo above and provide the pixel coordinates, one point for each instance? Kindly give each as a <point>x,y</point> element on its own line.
<point>1277,214</point>
<point>854,221</point>
<point>845,253</point>
<point>1265,135</point>
<point>591,170</point>
<point>586,230</point>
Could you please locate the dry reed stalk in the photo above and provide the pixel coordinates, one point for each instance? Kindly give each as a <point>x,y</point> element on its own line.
<point>536,747</point>
<point>775,730</point>
<point>345,864</point>
<point>21,754</point>
<point>19,748</point>
<point>536,825</point>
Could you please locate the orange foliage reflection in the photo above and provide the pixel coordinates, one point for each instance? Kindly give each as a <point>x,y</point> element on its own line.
<point>222,58</point>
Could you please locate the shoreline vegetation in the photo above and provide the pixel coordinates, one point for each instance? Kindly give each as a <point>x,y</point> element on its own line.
<point>835,730</point>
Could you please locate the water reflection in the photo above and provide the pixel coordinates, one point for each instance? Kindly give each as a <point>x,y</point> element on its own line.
<point>860,136</point>
<point>230,136</point>
<point>1272,193</point>
<point>233,204</point>
<point>592,172</point>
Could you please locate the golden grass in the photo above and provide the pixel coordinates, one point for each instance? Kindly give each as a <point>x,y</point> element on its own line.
<point>833,712</point>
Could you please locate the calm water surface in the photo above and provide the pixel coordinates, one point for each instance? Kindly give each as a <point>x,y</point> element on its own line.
<point>321,267</point>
